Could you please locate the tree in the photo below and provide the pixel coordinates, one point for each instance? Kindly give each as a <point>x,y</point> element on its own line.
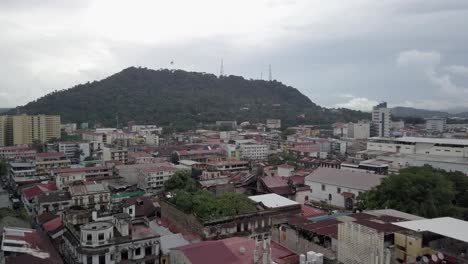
<point>37,145</point>
<point>3,167</point>
<point>183,200</point>
<point>181,180</point>
<point>235,204</point>
<point>422,191</point>
<point>205,205</point>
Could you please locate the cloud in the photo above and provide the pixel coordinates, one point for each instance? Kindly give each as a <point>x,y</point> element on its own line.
<point>458,69</point>
<point>358,103</point>
<point>429,62</point>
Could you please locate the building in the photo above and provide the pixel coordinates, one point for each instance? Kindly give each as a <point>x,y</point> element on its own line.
<point>90,173</point>
<point>199,155</point>
<point>253,151</point>
<point>436,124</point>
<point>26,129</point>
<point>381,116</point>
<point>71,150</point>
<point>340,129</point>
<point>235,250</point>
<point>273,123</point>
<point>443,239</point>
<point>110,154</point>
<point>359,130</point>
<point>230,124</point>
<point>63,180</point>
<point>228,165</point>
<point>69,128</point>
<point>24,245</point>
<point>421,146</point>
<point>48,161</point>
<point>339,187</point>
<point>54,202</point>
<point>114,239</point>
<point>152,179</point>
<point>91,195</point>
<point>3,130</point>
<point>23,172</point>
<point>20,152</point>
<point>285,170</point>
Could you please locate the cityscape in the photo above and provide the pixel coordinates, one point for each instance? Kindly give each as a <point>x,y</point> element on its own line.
<point>166,163</point>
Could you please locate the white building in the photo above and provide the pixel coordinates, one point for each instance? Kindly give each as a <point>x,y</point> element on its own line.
<point>359,130</point>
<point>69,128</point>
<point>285,170</point>
<point>436,124</point>
<point>339,187</point>
<point>69,149</point>
<point>152,179</point>
<point>111,154</point>
<point>254,151</point>
<point>422,146</point>
<point>381,116</point>
<point>340,130</point>
<point>273,123</point>
<point>95,196</point>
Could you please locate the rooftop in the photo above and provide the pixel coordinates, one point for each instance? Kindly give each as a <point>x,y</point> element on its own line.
<point>444,226</point>
<point>87,189</point>
<point>273,200</point>
<point>344,178</point>
<point>445,141</point>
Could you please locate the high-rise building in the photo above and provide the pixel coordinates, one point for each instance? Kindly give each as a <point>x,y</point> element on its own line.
<point>381,120</point>
<point>436,124</point>
<point>25,129</point>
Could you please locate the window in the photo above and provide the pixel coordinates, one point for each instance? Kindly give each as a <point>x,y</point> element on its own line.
<point>323,187</point>
<point>124,255</point>
<point>130,211</point>
<point>101,236</point>
<point>148,251</point>
<point>137,251</point>
<point>330,197</point>
<point>338,190</point>
<point>102,259</point>
<point>89,237</point>
<point>89,259</point>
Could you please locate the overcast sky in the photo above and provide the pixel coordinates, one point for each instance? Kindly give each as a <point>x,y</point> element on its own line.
<point>340,53</point>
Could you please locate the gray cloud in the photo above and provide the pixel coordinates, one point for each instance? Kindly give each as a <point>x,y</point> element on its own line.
<point>410,53</point>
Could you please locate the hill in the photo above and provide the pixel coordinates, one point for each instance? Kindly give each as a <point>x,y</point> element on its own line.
<point>414,112</point>
<point>182,99</point>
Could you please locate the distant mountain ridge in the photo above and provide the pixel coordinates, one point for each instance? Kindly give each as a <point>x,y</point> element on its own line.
<point>422,113</point>
<point>183,99</point>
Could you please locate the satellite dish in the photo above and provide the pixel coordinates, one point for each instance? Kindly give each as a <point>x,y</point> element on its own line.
<point>440,255</point>
<point>434,258</point>
<point>425,259</point>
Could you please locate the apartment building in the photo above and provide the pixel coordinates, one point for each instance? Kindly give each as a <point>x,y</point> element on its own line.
<point>47,161</point>
<point>25,129</point>
<point>70,149</point>
<point>111,154</point>
<point>20,152</point>
<point>152,179</point>
<point>91,195</point>
<point>359,130</point>
<point>381,116</point>
<point>436,124</point>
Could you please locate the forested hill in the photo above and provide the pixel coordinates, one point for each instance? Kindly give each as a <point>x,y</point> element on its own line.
<point>182,99</point>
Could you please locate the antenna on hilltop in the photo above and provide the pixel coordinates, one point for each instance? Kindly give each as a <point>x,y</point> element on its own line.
<point>221,70</point>
<point>261,75</point>
<point>270,76</point>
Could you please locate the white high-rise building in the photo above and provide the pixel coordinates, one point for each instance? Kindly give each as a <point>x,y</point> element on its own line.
<point>381,120</point>
<point>436,124</point>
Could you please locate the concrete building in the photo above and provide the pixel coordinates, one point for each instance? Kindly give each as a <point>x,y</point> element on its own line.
<point>70,149</point>
<point>48,161</point>
<point>152,179</point>
<point>359,130</point>
<point>436,124</point>
<point>91,195</point>
<point>273,123</point>
<point>69,128</point>
<point>25,129</point>
<point>340,129</point>
<point>252,151</point>
<point>381,116</point>
<point>20,152</point>
<point>54,202</point>
<point>339,187</point>
<point>22,173</point>
<point>90,173</point>
<point>3,128</point>
<point>111,154</point>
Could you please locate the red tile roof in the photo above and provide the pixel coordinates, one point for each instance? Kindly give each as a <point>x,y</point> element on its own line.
<point>53,224</point>
<point>285,166</point>
<point>39,189</point>
<point>309,211</point>
<point>209,252</point>
<point>70,170</point>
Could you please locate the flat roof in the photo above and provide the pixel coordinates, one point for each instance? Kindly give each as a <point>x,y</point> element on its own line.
<point>272,200</point>
<point>444,226</point>
<point>344,178</point>
<point>448,141</point>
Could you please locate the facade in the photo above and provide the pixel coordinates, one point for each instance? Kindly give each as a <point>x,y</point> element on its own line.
<point>20,152</point>
<point>339,187</point>
<point>22,172</point>
<point>381,116</point>
<point>254,151</point>
<point>47,161</point>
<point>90,173</point>
<point>94,195</point>
<point>421,146</point>
<point>54,202</point>
<point>119,239</point>
<point>273,123</point>
<point>25,129</point>
<point>359,130</point>
<point>340,129</point>
<point>65,179</point>
<point>71,150</point>
<point>152,179</point>
<point>436,124</point>
<point>109,154</point>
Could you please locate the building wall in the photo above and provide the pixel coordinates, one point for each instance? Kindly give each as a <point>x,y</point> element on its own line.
<point>418,148</point>
<point>359,244</point>
<point>24,129</point>
<point>3,127</point>
<point>381,121</point>
<point>317,194</point>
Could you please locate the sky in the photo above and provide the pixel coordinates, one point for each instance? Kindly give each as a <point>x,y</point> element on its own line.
<point>352,53</point>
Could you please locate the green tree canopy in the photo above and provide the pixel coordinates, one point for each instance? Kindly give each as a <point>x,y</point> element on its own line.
<point>181,180</point>
<point>422,191</point>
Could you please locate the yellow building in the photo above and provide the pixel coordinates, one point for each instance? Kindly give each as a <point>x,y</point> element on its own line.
<point>25,129</point>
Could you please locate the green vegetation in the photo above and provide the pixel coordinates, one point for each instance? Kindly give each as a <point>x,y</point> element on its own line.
<point>3,167</point>
<point>203,204</point>
<point>22,214</point>
<point>423,191</point>
<point>180,100</point>
<point>283,158</point>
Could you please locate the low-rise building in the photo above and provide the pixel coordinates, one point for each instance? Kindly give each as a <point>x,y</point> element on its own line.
<point>63,180</point>
<point>91,195</point>
<point>110,154</point>
<point>339,187</point>
<point>20,152</point>
<point>22,173</point>
<point>53,202</point>
<point>436,124</point>
<point>273,123</point>
<point>48,161</point>
<point>152,179</point>
<point>90,173</point>
<point>252,151</point>
<point>71,150</point>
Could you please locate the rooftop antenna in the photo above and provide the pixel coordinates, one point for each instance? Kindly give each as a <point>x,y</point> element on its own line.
<point>270,77</point>
<point>261,75</point>
<point>221,70</point>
